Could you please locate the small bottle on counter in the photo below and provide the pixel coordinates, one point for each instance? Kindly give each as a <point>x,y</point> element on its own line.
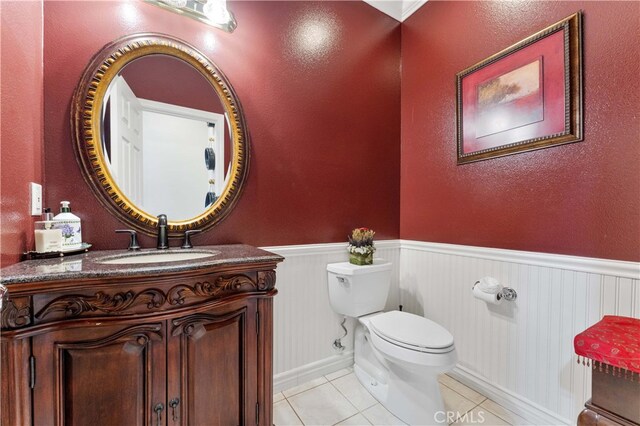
<point>47,238</point>
<point>69,225</point>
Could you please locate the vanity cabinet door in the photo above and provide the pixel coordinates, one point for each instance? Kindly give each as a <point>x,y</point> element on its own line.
<point>212,367</point>
<point>100,375</point>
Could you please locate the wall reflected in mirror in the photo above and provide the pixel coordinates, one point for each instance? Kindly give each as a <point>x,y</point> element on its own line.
<point>166,138</point>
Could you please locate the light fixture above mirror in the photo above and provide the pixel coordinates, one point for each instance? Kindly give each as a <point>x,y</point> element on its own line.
<point>210,12</point>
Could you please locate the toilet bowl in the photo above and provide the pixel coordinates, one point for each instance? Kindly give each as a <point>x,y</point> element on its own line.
<point>397,355</point>
<point>401,374</point>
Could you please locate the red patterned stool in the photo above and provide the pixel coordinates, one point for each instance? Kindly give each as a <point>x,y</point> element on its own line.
<point>611,348</point>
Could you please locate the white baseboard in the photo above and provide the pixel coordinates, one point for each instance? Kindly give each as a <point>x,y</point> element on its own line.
<point>305,373</point>
<point>526,409</point>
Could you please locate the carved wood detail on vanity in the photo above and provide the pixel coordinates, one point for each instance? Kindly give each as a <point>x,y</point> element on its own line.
<point>222,284</point>
<point>76,305</point>
<point>266,280</point>
<point>192,325</point>
<point>133,338</point>
<point>16,313</point>
<point>152,299</point>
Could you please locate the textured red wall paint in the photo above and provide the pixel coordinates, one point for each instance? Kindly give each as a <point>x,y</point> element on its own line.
<point>324,121</point>
<point>579,199</point>
<point>21,134</point>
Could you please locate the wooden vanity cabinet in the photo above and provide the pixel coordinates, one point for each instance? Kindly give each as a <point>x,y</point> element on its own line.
<point>187,350</point>
<point>99,374</point>
<point>214,347</point>
<point>196,369</point>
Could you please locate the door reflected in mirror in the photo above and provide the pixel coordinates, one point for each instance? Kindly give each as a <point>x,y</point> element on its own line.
<point>166,139</point>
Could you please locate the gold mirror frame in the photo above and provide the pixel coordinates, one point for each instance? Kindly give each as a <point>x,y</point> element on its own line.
<point>87,129</point>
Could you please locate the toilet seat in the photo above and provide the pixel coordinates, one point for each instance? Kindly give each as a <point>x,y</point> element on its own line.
<point>412,332</point>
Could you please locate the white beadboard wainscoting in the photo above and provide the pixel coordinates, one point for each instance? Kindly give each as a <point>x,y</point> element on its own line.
<point>520,353</point>
<point>304,326</point>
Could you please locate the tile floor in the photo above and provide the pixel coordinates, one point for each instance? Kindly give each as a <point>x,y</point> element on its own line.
<point>339,399</point>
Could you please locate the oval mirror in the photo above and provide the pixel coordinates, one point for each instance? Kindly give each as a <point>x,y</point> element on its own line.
<point>159,130</point>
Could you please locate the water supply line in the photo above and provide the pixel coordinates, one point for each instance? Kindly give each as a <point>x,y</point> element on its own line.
<point>337,344</point>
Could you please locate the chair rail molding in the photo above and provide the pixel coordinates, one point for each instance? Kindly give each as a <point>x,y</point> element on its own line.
<point>590,265</point>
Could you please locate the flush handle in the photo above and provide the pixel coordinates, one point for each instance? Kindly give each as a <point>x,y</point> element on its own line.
<point>343,280</point>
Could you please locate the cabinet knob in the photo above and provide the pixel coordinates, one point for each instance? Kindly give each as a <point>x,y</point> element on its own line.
<point>158,410</point>
<point>174,404</point>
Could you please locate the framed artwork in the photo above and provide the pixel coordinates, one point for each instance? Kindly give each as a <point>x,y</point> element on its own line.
<point>526,97</point>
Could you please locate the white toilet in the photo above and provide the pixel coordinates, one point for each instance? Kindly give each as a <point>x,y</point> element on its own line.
<point>398,355</point>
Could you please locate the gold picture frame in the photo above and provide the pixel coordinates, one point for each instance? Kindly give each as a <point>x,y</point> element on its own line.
<point>544,113</point>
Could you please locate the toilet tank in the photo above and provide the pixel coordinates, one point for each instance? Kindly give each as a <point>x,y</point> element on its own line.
<point>358,290</point>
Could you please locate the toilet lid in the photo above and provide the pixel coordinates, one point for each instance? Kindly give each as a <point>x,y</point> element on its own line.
<point>411,330</point>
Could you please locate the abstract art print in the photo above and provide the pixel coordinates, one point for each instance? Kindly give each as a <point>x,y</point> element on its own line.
<point>529,96</point>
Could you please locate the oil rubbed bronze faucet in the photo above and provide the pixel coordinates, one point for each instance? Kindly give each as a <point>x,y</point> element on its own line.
<point>163,236</point>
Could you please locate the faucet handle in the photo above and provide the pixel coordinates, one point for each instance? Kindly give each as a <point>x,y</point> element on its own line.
<point>133,242</point>
<point>187,238</point>
<point>163,236</point>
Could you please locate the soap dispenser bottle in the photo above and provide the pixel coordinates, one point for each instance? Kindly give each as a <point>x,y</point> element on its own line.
<point>69,224</point>
<point>47,239</point>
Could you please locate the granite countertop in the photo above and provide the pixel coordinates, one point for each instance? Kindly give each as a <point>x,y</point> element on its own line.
<point>88,265</point>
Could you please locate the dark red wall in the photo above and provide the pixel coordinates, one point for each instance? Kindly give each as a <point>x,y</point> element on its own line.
<point>324,123</point>
<point>580,199</point>
<point>21,134</point>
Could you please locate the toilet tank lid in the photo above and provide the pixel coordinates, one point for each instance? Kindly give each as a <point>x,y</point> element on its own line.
<point>346,268</point>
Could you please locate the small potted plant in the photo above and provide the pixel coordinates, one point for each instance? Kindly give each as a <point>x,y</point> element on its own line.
<point>361,247</point>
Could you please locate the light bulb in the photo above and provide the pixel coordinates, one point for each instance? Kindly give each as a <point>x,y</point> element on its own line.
<point>175,3</point>
<point>216,10</point>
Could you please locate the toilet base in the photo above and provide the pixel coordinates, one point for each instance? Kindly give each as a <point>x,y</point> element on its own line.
<point>424,407</point>
<point>411,394</point>
<point>377,389</point>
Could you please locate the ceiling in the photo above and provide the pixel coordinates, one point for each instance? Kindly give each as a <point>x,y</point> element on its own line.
<point>397,9</point>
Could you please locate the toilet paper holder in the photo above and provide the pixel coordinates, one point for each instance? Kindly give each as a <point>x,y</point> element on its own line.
<point>507,293</point>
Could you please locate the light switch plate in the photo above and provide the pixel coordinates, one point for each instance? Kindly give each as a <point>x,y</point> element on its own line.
<point>35,189</point>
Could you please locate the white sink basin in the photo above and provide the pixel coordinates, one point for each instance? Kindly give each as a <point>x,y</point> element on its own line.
<point>156,257</point>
